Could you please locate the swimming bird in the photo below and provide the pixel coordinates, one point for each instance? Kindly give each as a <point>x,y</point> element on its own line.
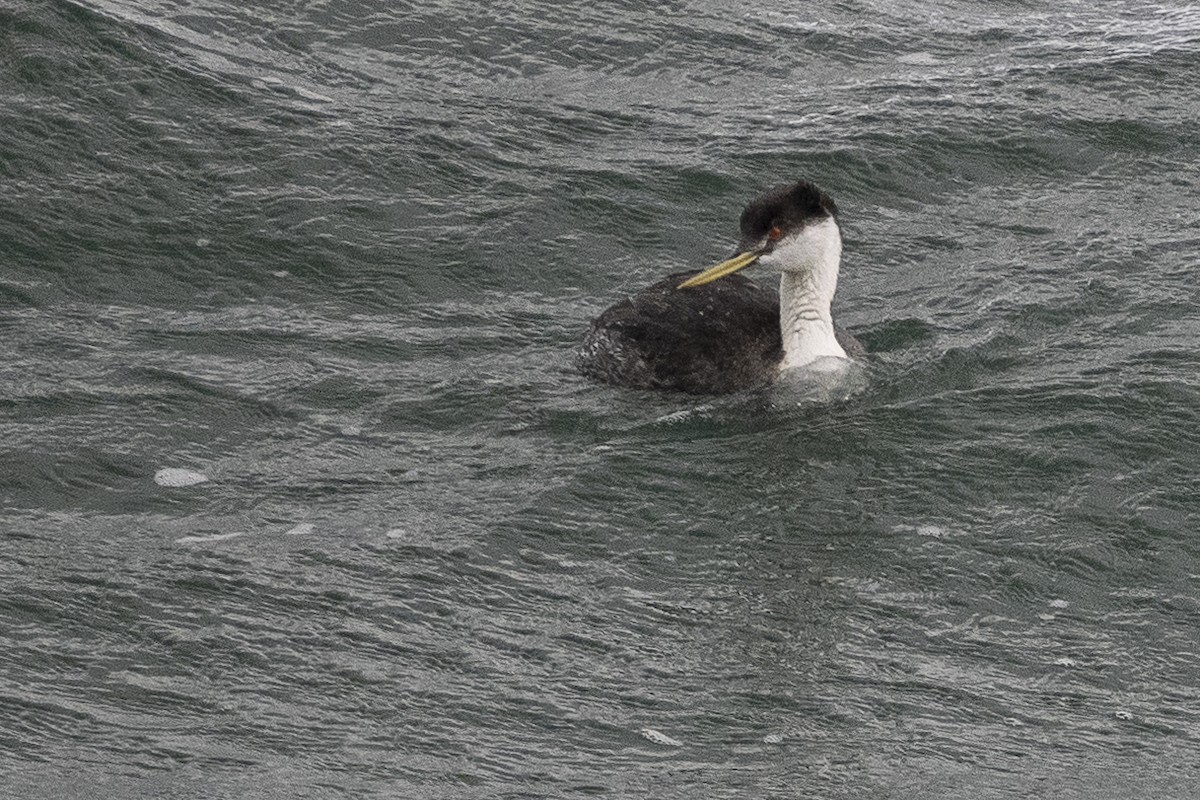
<point>714,332</point>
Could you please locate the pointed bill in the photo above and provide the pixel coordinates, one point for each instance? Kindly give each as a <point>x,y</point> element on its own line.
<point>740,261</point>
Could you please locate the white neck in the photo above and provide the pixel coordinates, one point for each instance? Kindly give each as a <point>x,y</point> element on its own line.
<point>810,272</point>
<point>806,322</point>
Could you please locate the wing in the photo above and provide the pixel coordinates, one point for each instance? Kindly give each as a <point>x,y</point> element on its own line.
<point>717,338</point>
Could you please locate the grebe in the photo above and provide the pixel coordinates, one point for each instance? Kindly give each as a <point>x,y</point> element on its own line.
<point>714,332</point>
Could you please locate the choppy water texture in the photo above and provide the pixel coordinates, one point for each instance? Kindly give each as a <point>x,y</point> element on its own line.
<point>302,498</point>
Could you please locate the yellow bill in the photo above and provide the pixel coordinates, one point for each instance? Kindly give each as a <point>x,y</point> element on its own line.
<point>740,261</point>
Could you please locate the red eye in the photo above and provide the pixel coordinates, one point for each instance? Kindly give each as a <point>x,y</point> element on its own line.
<point>774,233</point>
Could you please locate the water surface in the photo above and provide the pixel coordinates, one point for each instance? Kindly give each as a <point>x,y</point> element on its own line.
<point>334,258</point>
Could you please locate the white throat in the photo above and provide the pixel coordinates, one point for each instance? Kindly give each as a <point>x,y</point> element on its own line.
<point>809,264</point>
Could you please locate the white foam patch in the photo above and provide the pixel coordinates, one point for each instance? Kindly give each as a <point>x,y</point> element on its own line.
<point>212,537</point>
<point>176,478</point>
<point>676,416</point>
<point>311,95</point>
<point>303,529</point>
<point>922,59</point>
<point>773,738</point>
<point>658,737</point>
<point>926,530</point>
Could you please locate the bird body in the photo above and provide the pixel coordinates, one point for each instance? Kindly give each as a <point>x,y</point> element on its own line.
<point>715,339</point>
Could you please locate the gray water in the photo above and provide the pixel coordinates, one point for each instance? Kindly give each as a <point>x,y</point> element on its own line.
<point>302,497</point>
